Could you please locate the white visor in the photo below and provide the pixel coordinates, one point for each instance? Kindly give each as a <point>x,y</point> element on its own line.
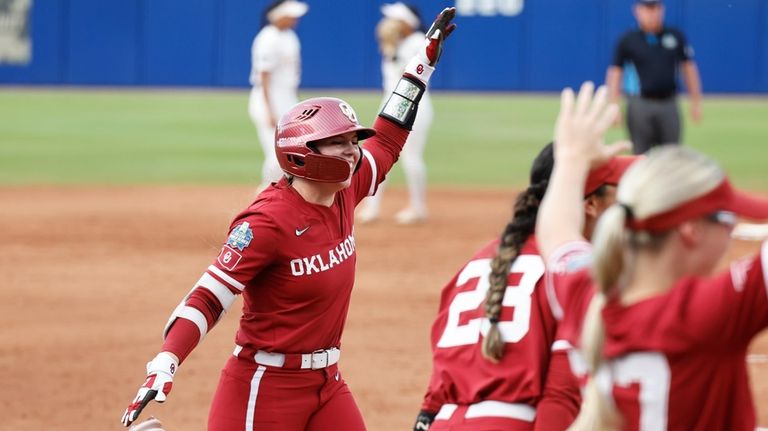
<point>400,11</point>
<point>289,8</point>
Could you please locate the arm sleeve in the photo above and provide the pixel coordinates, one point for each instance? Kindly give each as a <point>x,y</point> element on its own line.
<point>561,400</point>
<point>619,53</point>
<point>684,49</point>
<point>729,309</point>
<point>264,53</point>
<point>436,396</point>
<point>433,399</point>
<point>379,155</point>
<point>566,267</point>
<point>249,248</point>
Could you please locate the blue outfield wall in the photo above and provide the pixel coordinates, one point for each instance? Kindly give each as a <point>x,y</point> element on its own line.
<point>547,45</point>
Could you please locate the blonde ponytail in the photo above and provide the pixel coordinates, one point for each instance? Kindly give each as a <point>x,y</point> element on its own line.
<point>668,176</point>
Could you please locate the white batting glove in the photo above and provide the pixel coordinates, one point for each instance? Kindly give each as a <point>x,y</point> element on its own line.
<point>159,382</point>
<point>423,64</point>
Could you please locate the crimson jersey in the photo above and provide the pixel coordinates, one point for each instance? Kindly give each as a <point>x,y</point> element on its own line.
<point>678,359</point>
<point>461,375</point>
<point>293,262</point>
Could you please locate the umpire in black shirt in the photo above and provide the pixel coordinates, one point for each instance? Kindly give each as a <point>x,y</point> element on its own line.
<point>649,59</point>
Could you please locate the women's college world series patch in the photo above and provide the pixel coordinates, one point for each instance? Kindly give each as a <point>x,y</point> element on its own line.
<point>241,236</point>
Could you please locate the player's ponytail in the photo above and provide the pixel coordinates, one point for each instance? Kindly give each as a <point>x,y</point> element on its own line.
<point>513,238</point>
<point>515,234</point>
<point>667,177</point>
<point>598,412</point>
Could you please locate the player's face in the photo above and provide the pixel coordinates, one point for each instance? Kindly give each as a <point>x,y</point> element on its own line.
<point>344,146</point>
<point>595,205</point>
<point>650,17</point>
<point>286,22</point>
<point>716,231</point>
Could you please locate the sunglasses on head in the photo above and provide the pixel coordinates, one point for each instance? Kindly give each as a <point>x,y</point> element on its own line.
<point>725,218</point>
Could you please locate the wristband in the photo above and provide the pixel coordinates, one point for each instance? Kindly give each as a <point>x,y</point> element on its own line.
<point>403,103</point>
<point>419,68</point>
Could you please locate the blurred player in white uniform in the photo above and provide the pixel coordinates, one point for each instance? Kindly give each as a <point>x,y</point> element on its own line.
<point>275,76</point>
<point>400,35</point>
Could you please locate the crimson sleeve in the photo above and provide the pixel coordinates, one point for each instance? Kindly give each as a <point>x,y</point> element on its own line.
<point>729,309</point>
<point>433,399</point>
<point>182,338</point>
<point>184,335</point>
<point>379,155</point>
<point>560,402</point>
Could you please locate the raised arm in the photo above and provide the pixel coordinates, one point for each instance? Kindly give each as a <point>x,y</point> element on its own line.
<point>399,111</point>
<point>579,133</point>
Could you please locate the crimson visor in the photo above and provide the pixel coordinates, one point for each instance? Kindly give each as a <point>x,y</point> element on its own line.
<point>722,198</point>
<point>608,174</point>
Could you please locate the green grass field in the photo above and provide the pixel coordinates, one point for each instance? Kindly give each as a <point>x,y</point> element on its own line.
<point>205,137</point>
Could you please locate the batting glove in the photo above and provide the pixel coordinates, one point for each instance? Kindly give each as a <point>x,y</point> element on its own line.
<point>159,381</point>
<point>423,64</point>
<point>424,420</point>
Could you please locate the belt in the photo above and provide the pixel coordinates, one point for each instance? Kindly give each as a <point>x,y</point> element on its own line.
<point>316,360</point>
<point>498,409</point>
<point>658,96</point>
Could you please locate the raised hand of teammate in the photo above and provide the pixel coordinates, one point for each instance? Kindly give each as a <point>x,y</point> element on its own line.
<point>582,123</point>
<point>156,387</point>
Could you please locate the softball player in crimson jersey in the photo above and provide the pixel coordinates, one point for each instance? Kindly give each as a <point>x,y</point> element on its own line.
<point>498,387</point>
<point>663,342</point>
<point>291,254</point>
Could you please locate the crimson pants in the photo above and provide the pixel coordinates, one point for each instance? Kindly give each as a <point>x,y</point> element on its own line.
<point>254,397</point>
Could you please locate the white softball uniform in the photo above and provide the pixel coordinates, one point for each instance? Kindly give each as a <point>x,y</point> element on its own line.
<point>277,52</point>
<point>412,157</point>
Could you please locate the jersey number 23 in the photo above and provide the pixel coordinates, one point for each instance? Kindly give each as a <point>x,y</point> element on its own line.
<point>458,332</point>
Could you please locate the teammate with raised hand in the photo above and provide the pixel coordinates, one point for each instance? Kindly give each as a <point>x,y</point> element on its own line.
<point>492,338</point>
<point>291,254</point>
<point>664,341</point>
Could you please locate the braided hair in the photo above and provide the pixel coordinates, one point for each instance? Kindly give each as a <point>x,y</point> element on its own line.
<point>515,234</point>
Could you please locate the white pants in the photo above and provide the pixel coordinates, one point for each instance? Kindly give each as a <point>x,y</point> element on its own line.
<point>282,101</point>
<point>412,161</point>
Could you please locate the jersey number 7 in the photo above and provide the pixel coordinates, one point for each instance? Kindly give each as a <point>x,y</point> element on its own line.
<point>458,333</point>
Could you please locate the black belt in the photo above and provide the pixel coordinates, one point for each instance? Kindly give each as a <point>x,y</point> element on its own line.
<point>658,96</point>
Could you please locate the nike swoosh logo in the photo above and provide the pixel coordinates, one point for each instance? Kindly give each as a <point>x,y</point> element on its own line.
<point>300,232</point>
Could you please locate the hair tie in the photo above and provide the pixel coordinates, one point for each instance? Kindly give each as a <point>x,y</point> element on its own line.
<point>627,211</point>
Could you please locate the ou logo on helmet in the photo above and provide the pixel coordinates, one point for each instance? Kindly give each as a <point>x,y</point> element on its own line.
<point>348,111</point>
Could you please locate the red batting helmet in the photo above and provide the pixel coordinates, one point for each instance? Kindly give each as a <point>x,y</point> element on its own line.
<point>313,120</point>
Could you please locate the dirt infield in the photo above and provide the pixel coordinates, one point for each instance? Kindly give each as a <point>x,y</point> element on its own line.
<point>91,275</point>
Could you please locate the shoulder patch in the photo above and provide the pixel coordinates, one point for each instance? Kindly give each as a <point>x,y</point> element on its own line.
<point>241,236</point>
<point>669,41</point>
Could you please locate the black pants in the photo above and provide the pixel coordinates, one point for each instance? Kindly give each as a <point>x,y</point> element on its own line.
<point>652,122</point>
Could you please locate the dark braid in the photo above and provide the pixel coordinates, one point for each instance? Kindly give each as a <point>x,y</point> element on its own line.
<point>513,238</point>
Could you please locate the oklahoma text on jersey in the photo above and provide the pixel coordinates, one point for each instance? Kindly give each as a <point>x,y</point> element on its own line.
<point>316,263</point>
